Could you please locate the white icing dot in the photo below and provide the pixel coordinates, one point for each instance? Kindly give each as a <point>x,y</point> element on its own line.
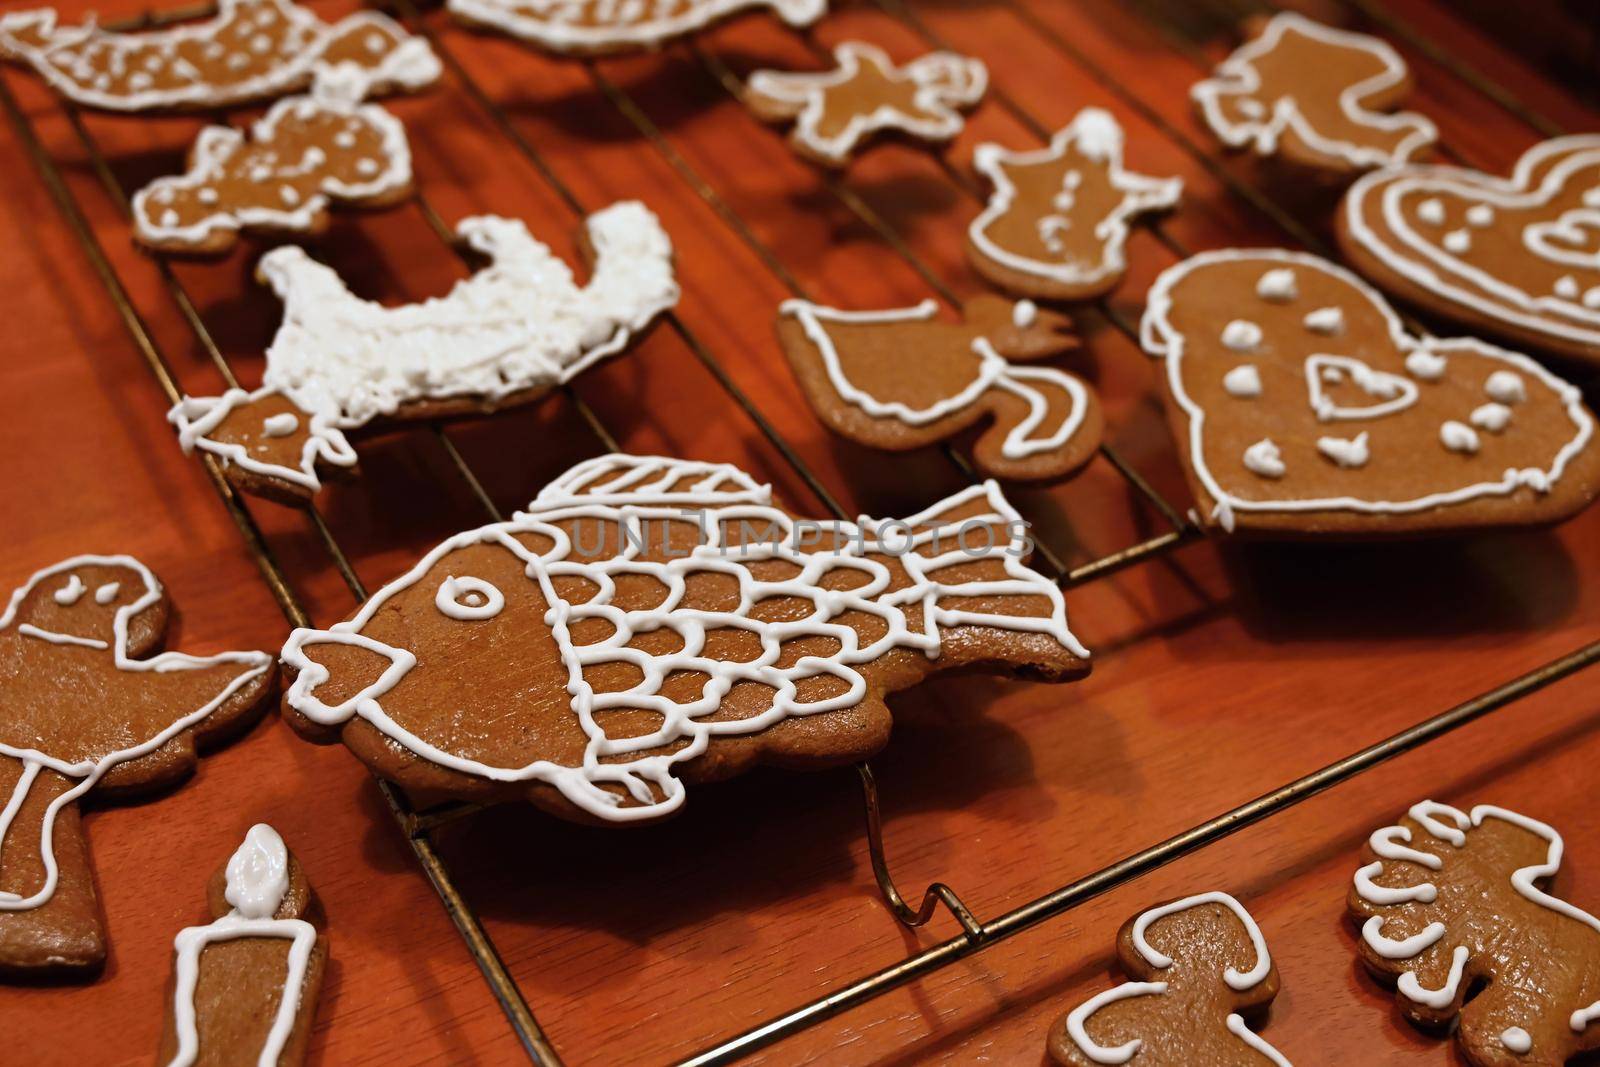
<point>1506,387</point>
<point>1457,241</point>
<point>1591,299</point>
<point>1326,321</point>
<point>107,593</point>
<point>1431,211</point>
<point>169,218</point>
<point>238,61</point>
<point>1491,417</point>
<point>1278,286</point>
<point>1346,452</point>
<point>207,195</point>
<point>1243,381</point>
<point>260,172</point>
<point>1516,1040</point>
<point>1072,179</point>
<point>344,139</point>
<point>71,592</point>
<point>261,44</point>
<point>1263,458</point>
<point>367,167</point>
<point>1024,313</point>
<point>280,425</point>
<point>1429,366</point>
<point>289,195</point>
<point>140,80</point>
<point>1567,287</point>
<point>1480,215</point>
<point>468,599</point>
<point>213,50</point>
<point>376,43</point>
<point>1241,336</point>
<point>1459,437</point>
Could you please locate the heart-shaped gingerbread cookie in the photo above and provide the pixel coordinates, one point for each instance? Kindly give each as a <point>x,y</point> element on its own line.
<point>1517,256</point>
<point>1302,406</point>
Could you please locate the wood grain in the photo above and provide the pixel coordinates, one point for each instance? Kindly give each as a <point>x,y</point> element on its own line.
<point>1222,671</point>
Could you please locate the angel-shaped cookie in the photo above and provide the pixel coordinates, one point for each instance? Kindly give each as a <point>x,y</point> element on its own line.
<point>1314,95</point>
<point>588,27</point>
<point>307,154</point>
<point>1453,907</point>
<point>1303,406</point>
<point>245,985</point>
<point>514,330</point>
<point>250,50</point>
<point>1198,966</point>
<point>1517,256</point>
<point>837,111</point>
<point>904,379</point>
<point>1057,222</point>
<point>84,706</point>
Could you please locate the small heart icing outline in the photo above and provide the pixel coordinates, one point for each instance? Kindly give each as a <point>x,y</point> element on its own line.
<point>1159,339</point>
<point>1364,378</point>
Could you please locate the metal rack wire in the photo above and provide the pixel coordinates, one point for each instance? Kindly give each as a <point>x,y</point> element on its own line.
<point>976,934</point>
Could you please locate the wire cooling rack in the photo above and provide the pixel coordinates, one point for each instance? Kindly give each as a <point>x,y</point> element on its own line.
<point>419,825</point>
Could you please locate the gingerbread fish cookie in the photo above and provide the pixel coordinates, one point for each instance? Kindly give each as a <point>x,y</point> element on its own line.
<point>1314,96</point>
<point>1453,909</point>
<point>84,706</point>
<point>1303,407</point>
<point>1057,223</point>
<point>903,379</point>
<point>649,624</point>
<point>505,336</point>
<point>250,50</point>
<point>588,27</point>
<point>307,154</point>
<point>866,95</point>
<point>245,985</point>
<point>1517,256</point>
<point>1197,965</point>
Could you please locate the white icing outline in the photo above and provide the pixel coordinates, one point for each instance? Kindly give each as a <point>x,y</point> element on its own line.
<point>1082,1013</point>
<point>1237,980</point>
<point>639,500</point>
<point>254,921</point>
<point>1237,76</point>
<point>517,324</point>
<point>217,145</point>
<point>1431,271</point>
<point>1366,379</point>
<point>91,771</point>
<point>1160,338</point>
<point>1238,1029</point>
<point>968,79</point>
<point>410,65</point>
<point>1097,136</point>
<point>647,31</point>
<point>994,372</point>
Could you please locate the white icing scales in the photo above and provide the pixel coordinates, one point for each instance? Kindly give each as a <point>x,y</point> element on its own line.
<point>521,323</point>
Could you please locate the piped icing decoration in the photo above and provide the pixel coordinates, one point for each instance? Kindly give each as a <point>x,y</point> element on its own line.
<point>1398,390</point>
<point>668,605</point>
<point>514,329</point>
<point>866,94</point>
<point>249,51</point>
<point>1516,256</point>
<point>306,155</point>
<point>904,379</point>
<point>583,27</point>
<point>1325,321</point>
<point>1057,222</point>
<point>1241,336</point>
<point>1262,97</point>
<point>1265,459</point>
<point>1243,380</point>
<point>1196,964</point>
<point>261,908</point>
<point>1278,286</point>
<point>1450,904</point>
<point>84,696</point>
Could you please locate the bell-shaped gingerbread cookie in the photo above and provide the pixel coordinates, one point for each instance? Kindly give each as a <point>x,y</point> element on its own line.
<point>85,706</point>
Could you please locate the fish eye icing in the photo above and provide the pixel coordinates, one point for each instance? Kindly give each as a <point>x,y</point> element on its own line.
<point>758,535</point>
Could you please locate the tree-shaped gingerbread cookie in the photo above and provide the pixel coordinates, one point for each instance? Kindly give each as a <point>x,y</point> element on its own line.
<point>1197,966</point>
<point>83,706</point>
<point>1452,909</point>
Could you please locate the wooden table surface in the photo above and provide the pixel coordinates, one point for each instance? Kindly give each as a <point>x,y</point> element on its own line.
<point>1221,671</point>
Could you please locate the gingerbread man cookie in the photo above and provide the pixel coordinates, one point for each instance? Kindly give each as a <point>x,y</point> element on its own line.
<point>1452,907</point>
<point>902,379</point>
<point>307,154</point>
<point>865,95</point>
<point>504,336</point>
<point>1314,96</point>
<point>250,50</point>
<point>1057,222</point>
<point>1516,256</point>
<point>652,623</point>
<point>84,706</point>
<point>588,27</point>
<point>1303,406</point>
<point>1197,965</point>
<point>245,985</point>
